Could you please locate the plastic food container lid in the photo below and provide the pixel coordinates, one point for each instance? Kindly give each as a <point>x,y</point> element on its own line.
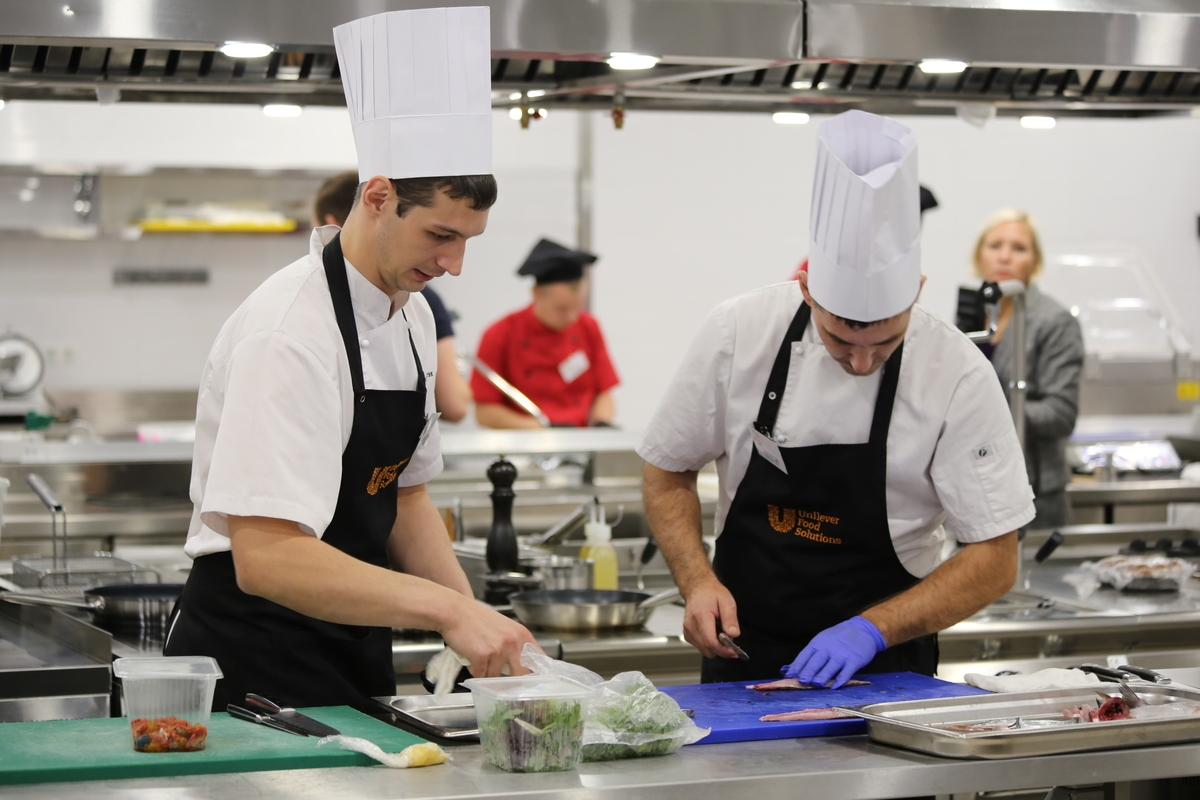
<point>528,687</point>
<point>167,667</point>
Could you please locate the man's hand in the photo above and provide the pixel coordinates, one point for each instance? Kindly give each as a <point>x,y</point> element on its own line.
<point>836,653</point>
<point>710,609</point>
<point>490,641</point>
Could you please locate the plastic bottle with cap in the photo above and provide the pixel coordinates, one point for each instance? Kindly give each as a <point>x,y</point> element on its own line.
<point>598,535</point>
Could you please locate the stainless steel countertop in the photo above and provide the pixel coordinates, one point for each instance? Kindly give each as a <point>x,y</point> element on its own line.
<point>831,768</point>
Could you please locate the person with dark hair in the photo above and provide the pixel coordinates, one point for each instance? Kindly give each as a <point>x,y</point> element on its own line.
<point>552,351</point>
<point>331,206</point>
<point>313,535</point>
<point>850,428</point>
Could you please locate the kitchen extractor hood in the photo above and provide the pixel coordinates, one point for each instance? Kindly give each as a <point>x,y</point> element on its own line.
<point>1064,57</point>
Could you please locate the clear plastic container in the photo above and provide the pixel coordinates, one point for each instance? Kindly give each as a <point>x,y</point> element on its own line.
<point>530,723</point>
<point>168,700</point>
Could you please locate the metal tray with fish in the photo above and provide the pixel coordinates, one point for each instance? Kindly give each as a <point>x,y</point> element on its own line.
<point>452,717</point>
<point>1019,724</point>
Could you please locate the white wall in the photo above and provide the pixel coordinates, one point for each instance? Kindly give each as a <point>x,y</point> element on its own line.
<point>689,209</point>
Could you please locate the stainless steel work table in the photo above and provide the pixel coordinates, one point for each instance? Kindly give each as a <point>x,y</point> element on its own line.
<point>833,768</point>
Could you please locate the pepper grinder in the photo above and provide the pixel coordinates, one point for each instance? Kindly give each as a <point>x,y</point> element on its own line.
<point>502,536</point>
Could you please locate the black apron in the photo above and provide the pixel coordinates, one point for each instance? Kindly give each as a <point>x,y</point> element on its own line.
<point>805,550</point>
<point>266,648</point>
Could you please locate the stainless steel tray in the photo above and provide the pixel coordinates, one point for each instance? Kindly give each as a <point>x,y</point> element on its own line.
<point>450,718</point>
<point>920,724</point>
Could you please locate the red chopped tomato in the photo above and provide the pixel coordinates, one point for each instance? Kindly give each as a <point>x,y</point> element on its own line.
<point>167,734</point>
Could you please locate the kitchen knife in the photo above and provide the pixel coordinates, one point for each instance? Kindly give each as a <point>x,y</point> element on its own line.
<point>261,719</point>
<point>725,640</point>
<point>1145,674</point>
<point>290,717</point>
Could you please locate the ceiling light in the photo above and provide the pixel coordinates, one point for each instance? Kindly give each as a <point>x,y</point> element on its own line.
<point>282,110</point>
<point>942,66</point>
<point>801,84</point>
<point>789,117</point>
<point>1038,123</point>
<point>823,85</point>
<point>630,61</point>
<point>515,96</point>
<point>536,93</point>
<point>246,49</point>
<point>543,113</point>
<point>514,113</point>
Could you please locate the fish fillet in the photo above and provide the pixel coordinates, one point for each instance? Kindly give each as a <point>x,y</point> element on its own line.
<point>792,683</point>
<point>805,714</point>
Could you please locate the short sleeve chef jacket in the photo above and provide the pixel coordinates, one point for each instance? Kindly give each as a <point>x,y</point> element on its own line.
<point>953,455</point>
<point>276,401</point>
<point>534,359</point>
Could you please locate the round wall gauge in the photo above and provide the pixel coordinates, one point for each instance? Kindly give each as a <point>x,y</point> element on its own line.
<point>21,365</point>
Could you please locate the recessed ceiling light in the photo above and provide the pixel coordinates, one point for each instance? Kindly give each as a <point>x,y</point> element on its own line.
<point>514,113</point>
<point>942,66</point>
<point>246,49</point>
<point>1038,123</point>
<point>789,117</point>
<point>630,61</point>
<point>282,110</point>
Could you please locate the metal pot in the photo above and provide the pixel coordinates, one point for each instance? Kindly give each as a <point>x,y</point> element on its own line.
<point>143,608</point>
<point>587,610</point>
<point>563,572</point>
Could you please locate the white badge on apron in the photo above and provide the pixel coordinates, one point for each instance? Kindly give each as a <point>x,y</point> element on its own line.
<point>768,449</point>
<point>575,365</point>
<point>430,421</point>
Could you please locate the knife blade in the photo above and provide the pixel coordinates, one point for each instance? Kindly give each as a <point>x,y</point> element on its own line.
<point>724,639</point>
<point>290,717</point>
<point>261,719</point>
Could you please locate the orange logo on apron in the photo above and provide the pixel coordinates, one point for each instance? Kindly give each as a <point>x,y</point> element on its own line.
<point>382,476</point>
<point>809,524</point>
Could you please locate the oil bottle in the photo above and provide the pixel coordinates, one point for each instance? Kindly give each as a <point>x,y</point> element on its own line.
<point>597,547</point>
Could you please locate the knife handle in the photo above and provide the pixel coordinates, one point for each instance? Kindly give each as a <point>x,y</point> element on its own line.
<point>1106,672</point>
<point>258,701</point>
<point>250,716</point>
<point>1146,674</point>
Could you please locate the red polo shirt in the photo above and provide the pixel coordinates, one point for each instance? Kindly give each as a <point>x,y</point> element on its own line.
<point>560,371</point>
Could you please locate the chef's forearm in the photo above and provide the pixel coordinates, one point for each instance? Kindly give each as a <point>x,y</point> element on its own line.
<point>604,409</point>
<point>494,415</point>
<point>673,513</point>
<point>451,392</point>
<point>974,577</point>
<point>419,544</point>
<point>275,560</point>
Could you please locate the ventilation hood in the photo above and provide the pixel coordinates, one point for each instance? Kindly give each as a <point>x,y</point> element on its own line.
<point>1063,57</point>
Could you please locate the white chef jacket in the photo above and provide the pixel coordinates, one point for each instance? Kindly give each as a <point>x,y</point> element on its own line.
<point>276,401</point>
<point>953,455</point>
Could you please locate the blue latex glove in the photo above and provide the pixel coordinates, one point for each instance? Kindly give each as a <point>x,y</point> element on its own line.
<point>836,653</point>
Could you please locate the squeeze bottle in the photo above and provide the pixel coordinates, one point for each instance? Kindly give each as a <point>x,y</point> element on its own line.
<point>597,535</point>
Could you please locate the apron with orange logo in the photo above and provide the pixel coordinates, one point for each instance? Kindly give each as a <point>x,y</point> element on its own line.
<point>806,549</point>
<point>266,648</point>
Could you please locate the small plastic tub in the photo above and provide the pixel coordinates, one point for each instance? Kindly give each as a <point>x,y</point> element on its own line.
<point>530,723</point>
<point>168,701</point>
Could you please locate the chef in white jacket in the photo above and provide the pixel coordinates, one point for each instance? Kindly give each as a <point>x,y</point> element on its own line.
<point>313,535</point>
<point>850,429</point>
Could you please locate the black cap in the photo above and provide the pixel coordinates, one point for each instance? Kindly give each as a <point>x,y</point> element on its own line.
<point>928,201</point>
<point>550,262</point>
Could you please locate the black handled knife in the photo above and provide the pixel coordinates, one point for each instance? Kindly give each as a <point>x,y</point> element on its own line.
<point>290,717</point>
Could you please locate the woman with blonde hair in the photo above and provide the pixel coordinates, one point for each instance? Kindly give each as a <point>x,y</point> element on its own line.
<point>1008,248</point>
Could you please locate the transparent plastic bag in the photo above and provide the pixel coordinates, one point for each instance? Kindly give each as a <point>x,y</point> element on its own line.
<point>1142,573</point>
<point>627,717</point>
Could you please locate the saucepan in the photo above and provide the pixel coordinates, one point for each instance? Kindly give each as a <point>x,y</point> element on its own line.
<point>587,609</point>
<point>143,608</point>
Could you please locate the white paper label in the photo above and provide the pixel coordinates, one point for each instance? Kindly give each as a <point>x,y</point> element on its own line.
<point>768,449</point>
<point>430,421</point>
<point>575,365</point>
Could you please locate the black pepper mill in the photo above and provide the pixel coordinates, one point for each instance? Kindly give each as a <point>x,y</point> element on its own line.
<point>502,537</point>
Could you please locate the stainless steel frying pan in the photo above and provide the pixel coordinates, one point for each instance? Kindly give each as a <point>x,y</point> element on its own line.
<point>587,609</point>
<point>143,608</point>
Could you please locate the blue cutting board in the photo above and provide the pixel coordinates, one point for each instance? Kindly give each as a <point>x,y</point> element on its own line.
<point>733,711</point>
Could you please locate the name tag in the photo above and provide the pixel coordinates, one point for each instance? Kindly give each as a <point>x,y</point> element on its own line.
<point>430,421</point>
<point>768,449</point>
<point>575,365</point>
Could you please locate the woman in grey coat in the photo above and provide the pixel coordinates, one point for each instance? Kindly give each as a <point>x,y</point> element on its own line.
<point>1008,248</point>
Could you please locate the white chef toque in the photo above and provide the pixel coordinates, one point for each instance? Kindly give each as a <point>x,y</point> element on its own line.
<point>864,258</point>
<point>418,88</point>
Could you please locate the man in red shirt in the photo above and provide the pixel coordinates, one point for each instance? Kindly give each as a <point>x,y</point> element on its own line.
<point>552,350</point>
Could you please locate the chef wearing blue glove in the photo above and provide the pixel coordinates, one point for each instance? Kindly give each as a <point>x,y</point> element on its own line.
<point>851,430</point>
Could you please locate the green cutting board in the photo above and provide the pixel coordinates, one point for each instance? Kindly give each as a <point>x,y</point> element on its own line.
<point>99,749</point>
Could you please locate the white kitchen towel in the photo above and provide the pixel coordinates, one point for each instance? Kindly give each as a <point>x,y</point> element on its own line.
<point>1033,682</point>
<point>418,88</point>
<point>864,259</point>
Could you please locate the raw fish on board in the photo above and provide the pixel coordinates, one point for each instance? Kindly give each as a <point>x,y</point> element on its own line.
<point>792,683</point>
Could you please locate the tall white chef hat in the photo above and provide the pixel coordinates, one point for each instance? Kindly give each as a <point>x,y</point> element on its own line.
<point>865,257</point>
<point>418,88</point>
